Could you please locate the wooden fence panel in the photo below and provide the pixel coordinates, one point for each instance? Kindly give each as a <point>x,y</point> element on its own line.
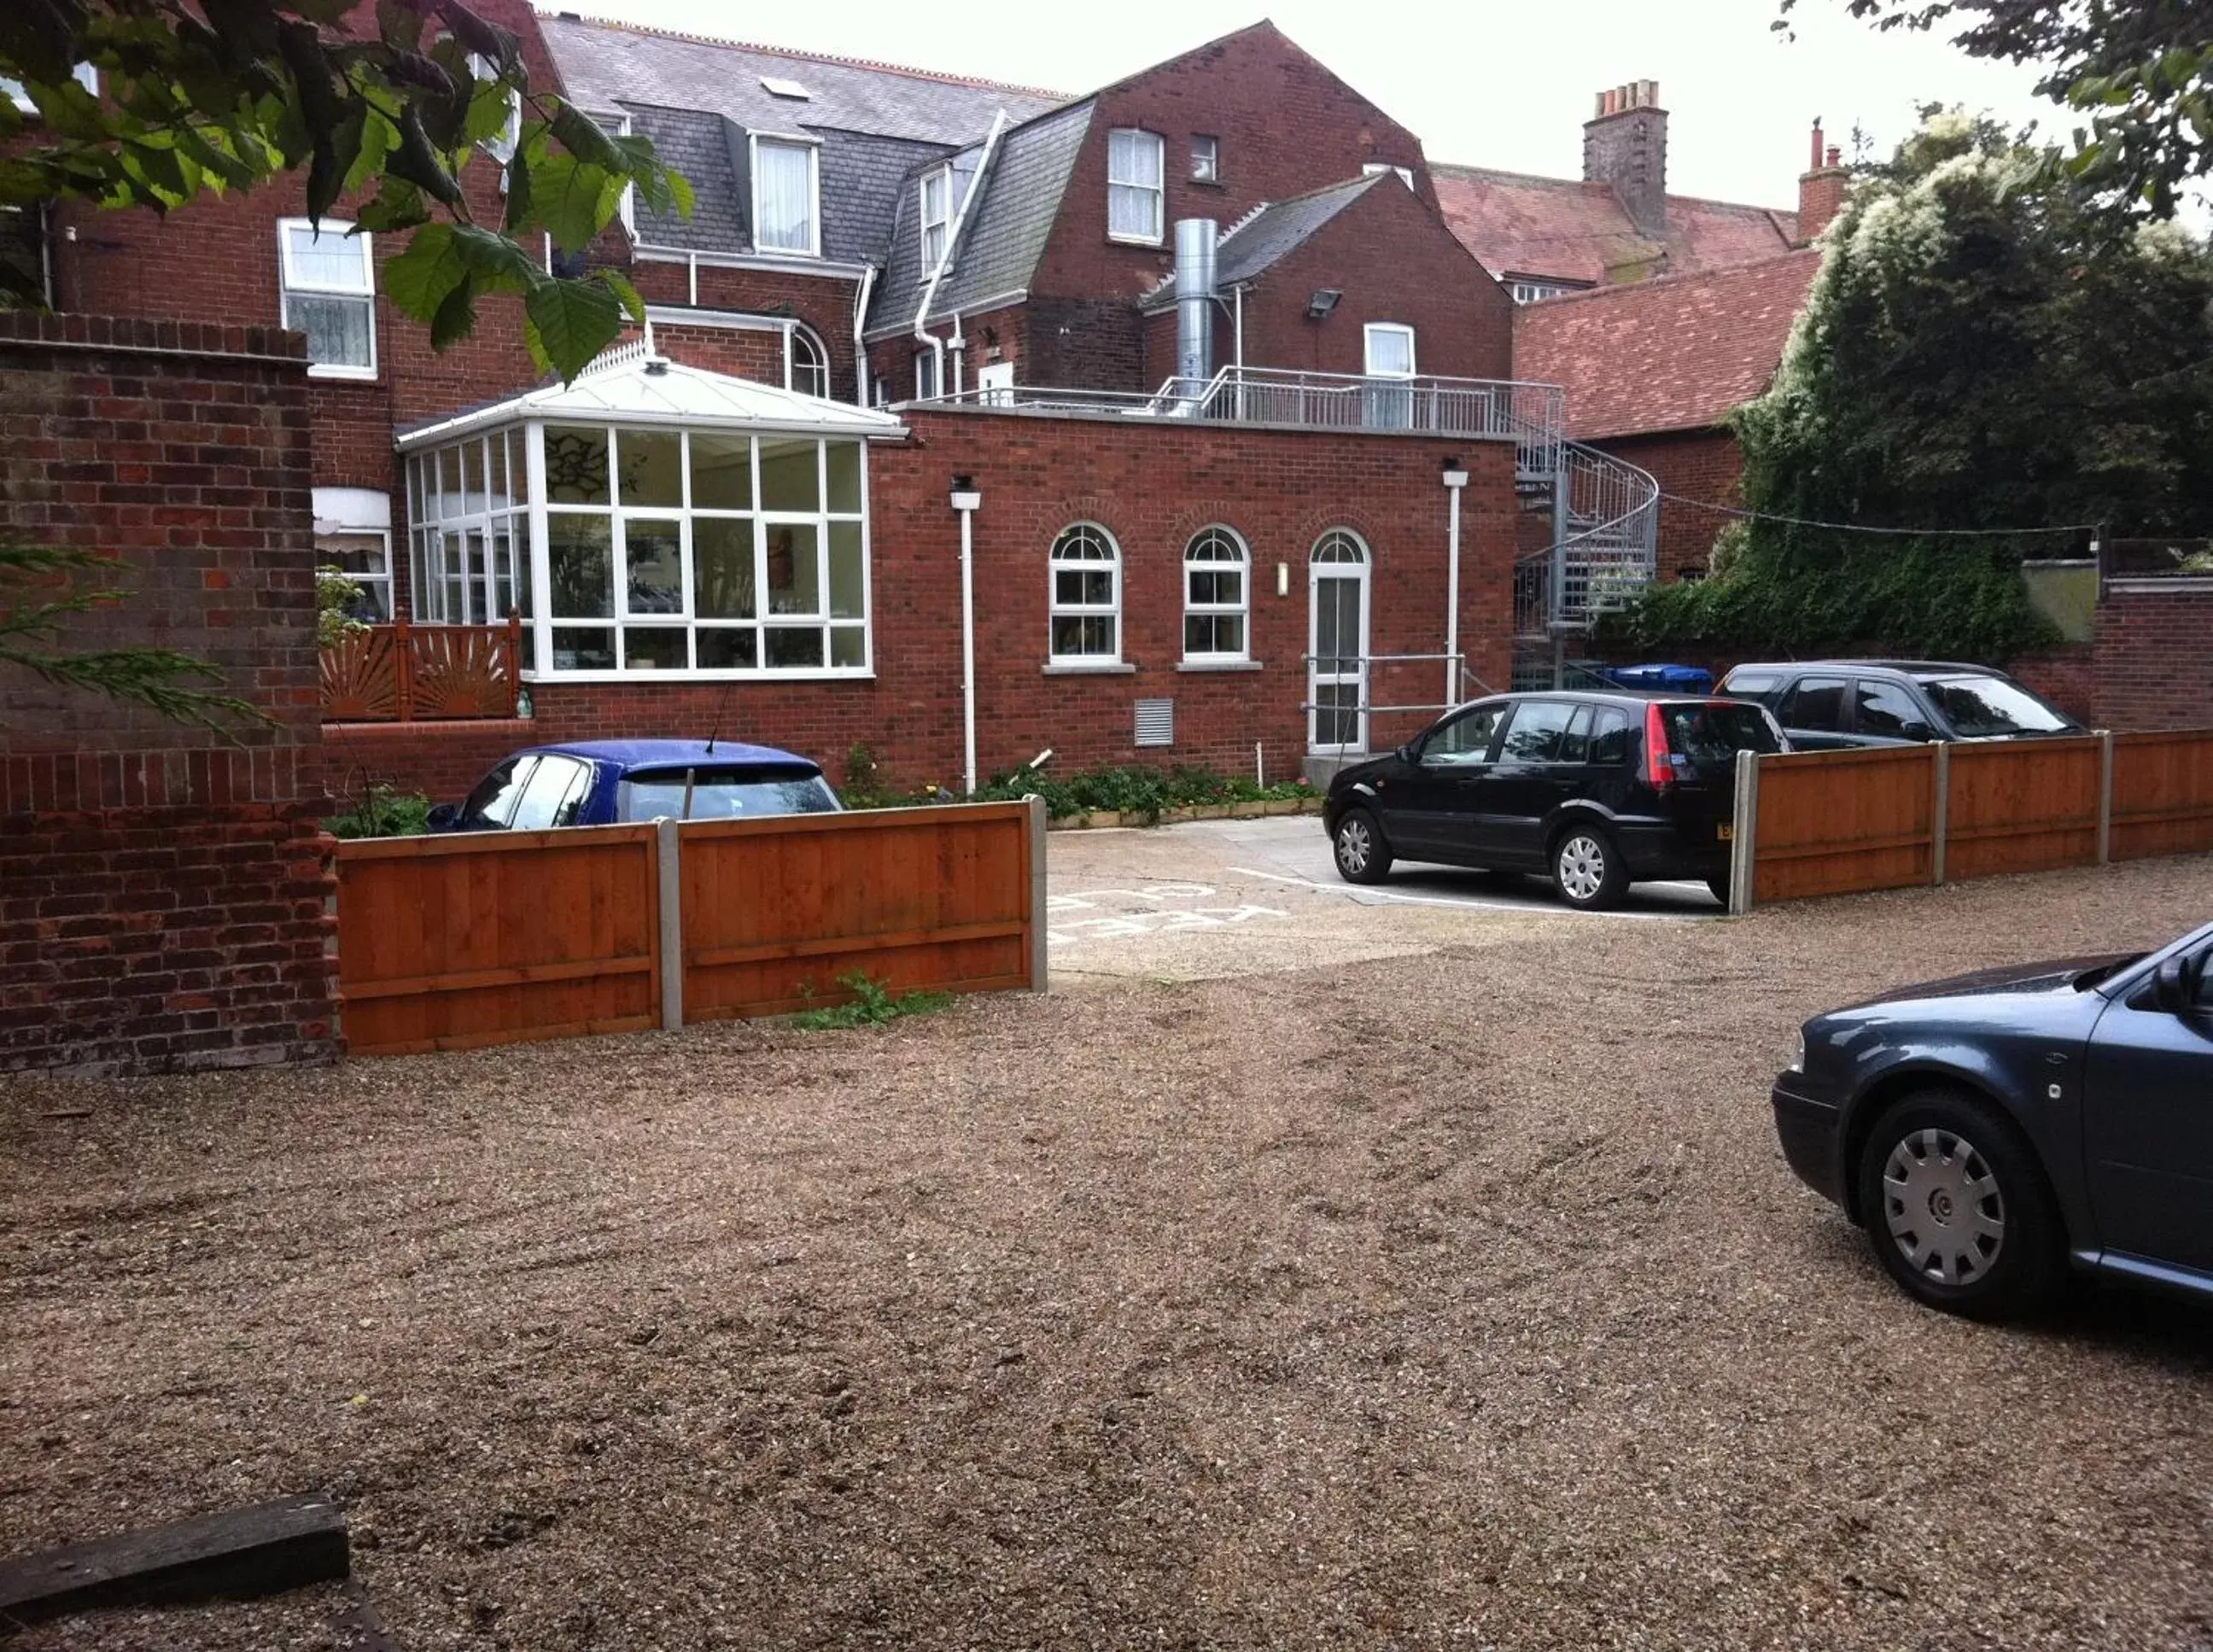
<point>2022,806</point>
<point>448,943</point>
<point>2162,794</point>
<point>776,910</point>
<point>1831,823</point>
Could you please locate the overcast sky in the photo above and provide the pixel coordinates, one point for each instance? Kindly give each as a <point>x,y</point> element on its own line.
<point>1497,82</point>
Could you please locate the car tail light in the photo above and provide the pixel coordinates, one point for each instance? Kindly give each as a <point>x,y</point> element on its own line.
<point>1659,761</point>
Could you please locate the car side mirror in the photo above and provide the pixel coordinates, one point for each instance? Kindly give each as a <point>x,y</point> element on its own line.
<point>1916,731</point>
<point>1405,754</point>
<point>2175,983</point>
<point>443,816</point>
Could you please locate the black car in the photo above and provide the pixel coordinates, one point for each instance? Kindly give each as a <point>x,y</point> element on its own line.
<point>1825,703</point>
<point>1597,791</point>
<point>1994,1132</point>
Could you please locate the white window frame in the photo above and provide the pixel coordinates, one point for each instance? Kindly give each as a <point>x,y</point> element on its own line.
<point>1078,533</point>
<point>805,341</point>
<point>373,585</point>
<point>926,371</point>
<point>1368,336</point>
<point>812,149</point>
<point>288,284</point>
<point>526,499</point>
<point>1157,189</point>
<point>941,224</point>
<point>1214,534</point>
<point>1532,292</point>
<point>1206,160</point>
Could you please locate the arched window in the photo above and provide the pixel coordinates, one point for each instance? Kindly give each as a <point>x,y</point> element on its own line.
<point>810,363</point>
<point>1216,595</point>
<point>1340,545</point>
<point>1087,596</point>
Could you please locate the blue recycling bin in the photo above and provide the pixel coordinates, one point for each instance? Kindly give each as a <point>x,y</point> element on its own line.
<point>1662,679</point>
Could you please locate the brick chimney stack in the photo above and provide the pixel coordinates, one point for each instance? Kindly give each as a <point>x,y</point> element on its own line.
<point>1625,145</point>
<point>1820,189</point>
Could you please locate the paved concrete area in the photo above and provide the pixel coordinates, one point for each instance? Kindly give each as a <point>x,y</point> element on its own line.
<point>1225,898</point>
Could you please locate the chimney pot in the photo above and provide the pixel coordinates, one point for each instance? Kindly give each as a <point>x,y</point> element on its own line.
<point>1835,155</point>
<point>1625,145</point>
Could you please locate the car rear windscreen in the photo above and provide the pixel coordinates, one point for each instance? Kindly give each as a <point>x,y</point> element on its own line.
<point>722,794</point>
<point>1980,707</point>
<point>1710,733</point>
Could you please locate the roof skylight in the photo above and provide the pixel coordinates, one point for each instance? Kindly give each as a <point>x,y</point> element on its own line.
<point>777,87</point>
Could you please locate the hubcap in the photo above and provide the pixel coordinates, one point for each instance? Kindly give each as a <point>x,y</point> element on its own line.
<point>1353,846</point>
<point>1946,1214</point>
<point>1582,867</point>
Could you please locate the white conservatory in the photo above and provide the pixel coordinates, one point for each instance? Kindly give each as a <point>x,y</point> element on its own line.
<point>651,520</point>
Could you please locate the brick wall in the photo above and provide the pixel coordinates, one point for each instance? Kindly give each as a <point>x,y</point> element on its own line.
<point>2149,665</point>
<point>161,890</point>
<point>1395,261</point>
<point>1152,488</point>
<point>1702,465</point>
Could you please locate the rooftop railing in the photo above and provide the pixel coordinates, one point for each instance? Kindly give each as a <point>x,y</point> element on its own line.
<point>1533,414</point>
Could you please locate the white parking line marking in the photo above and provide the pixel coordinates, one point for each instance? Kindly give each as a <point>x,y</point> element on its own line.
<point>1362,891</point>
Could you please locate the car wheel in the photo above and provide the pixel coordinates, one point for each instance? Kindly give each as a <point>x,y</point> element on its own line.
<point>1588,869</point>
<point>1361,854</point>
<point>1958,1208</point>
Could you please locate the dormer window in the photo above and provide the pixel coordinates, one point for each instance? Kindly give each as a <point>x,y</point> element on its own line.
<point>787,196</point>
<point>1134,203</point>
<point>777,87</point>
<point>1370,168</point>
<point>936,215</point>
<point>1206,159</point>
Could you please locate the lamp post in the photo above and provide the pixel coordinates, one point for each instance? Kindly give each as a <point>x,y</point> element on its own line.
<point>966,500</point>
<point>1455,476</point>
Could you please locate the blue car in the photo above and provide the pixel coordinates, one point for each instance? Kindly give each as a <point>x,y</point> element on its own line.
<point>603,781</point>
<point>1995,1133</point>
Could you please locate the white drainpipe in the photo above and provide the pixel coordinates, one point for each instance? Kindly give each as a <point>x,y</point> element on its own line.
<point>922,331</point>
<point>1455,478</point>
<point>860,345</point>
<point>966,500</point>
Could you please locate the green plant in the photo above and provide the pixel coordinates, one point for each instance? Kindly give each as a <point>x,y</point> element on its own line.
<point>336,597</point>
<point>382,812</point>
<point>873,1004</point>
<point>1130,789</point>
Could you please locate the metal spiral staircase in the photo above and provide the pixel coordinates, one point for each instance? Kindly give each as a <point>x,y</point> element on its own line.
<point>1603,550</point>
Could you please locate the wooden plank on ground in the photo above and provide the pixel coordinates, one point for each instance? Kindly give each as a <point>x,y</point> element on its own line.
<point>238,1554</point>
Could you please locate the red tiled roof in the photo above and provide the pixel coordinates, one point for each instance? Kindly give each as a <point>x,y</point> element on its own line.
<point>1517,224</point>
<point>1674,353</point>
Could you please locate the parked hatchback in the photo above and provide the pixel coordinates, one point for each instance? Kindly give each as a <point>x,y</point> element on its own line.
<point>1993,1132</point>
<point>1595,791</point>
<point>1825,703</point>
<point>603,782</point>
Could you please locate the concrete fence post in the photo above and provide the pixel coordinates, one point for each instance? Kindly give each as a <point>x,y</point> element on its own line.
<point>669,866</point>
<point>1744,832</point>
<point>1038,938</point>
<point>2105,797</point>
<point>1940,811</point>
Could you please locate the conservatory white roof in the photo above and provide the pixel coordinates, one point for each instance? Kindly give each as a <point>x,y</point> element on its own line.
<point>628,386</point>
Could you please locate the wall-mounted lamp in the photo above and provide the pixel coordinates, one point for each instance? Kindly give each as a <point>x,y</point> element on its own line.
<point>1455,473</point>
<point>1282,579</point>
<point>1323,301</point>
<point>965,495</point>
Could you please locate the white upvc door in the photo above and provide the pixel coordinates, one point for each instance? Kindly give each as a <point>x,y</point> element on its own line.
<point>1336,669</point>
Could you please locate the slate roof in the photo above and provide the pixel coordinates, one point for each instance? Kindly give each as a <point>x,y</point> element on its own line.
<point>1005,236</point>
<point>698,100</point>
<point>1272,233</point>
<point>1672,354</point>
<point>1519,224</point>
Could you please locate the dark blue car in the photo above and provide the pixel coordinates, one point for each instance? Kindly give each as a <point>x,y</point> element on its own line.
<point>601,782</point>
<point>1995,1132</point>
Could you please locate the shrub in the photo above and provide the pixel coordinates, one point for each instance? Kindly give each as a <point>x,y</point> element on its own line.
<point>382,812</point>
<point>873,1005</point>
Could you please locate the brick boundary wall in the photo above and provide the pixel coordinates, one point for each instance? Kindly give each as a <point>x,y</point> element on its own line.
<point>162,892</point>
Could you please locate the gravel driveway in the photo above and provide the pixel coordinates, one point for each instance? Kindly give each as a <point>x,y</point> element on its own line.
<point>1457,1298</point>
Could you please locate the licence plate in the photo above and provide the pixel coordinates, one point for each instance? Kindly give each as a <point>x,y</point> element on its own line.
<point>1725,831</point>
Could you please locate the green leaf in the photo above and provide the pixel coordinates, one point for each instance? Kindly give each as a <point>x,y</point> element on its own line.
<point>631,298</point>
<point>456,316</point>
<point>495,262</point>
<point>581,135</point>
<point>573,321</point>
<point>518,193</point>
<point>418,161</point>
<point>573,201</point>
<point>423,276</point>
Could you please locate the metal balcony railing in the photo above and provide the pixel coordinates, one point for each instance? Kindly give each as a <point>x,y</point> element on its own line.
<point>1534,414</point>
